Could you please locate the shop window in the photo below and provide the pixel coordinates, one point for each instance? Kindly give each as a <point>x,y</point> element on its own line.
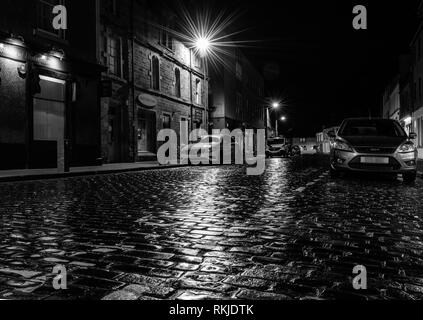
<point>45,17</point>
<point>155,73</point>
<point>177,83</point>
<point>49,110</point>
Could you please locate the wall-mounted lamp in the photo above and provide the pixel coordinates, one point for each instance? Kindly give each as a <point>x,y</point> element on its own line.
<point>57,53</point>
<point>22,71</point>
<point>16,40</point>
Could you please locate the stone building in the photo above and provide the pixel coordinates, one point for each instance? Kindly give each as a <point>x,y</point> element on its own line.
<point>237,94</point>
<point>391,100</point>
<point>156,81</point>
<point>49,80</point>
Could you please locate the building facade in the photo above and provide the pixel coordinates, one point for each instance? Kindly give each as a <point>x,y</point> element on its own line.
<point>416,118</point>
<point>237,94</point>
<point>406,93</point>
<point>49,80</point>
<point>391,100</point>
<point>157,82</point>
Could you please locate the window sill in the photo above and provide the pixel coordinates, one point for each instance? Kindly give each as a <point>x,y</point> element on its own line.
<point>116,78</point>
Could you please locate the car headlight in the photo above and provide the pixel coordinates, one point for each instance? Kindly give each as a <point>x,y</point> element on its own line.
<point>407,147</point>
<point>343,146</point>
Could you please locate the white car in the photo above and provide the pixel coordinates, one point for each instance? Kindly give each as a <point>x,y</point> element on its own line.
<point>209,143</point>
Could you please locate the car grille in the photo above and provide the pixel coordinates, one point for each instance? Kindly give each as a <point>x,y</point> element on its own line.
<point>393,165</point>
<point>375,150</point>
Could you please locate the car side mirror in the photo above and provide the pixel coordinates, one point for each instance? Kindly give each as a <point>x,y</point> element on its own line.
<point>412,135</point>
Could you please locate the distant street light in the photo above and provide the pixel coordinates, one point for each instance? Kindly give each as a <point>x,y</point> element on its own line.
<point>283,119</point>
<point>275,105</point>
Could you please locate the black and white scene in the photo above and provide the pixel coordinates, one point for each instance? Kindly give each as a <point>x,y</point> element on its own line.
<point>235,150</point>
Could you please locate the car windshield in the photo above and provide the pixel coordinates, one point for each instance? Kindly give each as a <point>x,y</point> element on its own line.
<point>276,141</point>
<point>372,128</point>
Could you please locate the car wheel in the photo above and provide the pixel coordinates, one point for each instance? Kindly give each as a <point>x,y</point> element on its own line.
<point>409,177</point>
<point>334,173</point>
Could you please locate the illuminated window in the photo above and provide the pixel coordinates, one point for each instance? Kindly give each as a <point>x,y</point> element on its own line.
<point>45,17</point>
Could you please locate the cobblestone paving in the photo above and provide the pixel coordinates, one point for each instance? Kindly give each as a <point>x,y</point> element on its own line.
<point>213,233</point>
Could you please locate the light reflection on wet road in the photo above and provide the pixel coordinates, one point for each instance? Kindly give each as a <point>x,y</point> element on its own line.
<point>212,232</point>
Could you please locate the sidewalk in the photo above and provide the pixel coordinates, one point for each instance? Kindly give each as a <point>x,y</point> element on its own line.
<point>38,174</point>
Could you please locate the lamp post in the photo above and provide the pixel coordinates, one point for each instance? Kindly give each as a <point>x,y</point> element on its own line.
<point>274,106</point>
<point>202,45</point>
<point>283,119</point>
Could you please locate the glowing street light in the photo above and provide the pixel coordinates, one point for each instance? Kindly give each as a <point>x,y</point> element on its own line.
<point>203,44</point>
<point>275,105</point>
<point>283,118</point>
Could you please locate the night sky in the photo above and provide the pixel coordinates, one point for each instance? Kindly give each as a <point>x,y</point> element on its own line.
<point>310,54</point>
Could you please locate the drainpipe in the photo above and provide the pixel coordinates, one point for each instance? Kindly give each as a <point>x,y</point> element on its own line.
<point>134,116</point>
<point>190,89</point>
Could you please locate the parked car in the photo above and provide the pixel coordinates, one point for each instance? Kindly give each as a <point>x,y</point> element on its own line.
<point>373,145</point>
<point>276,148</point>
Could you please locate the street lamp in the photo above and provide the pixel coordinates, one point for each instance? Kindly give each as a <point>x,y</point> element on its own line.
<point>283,119</point>
<point>202,44</point>
<point>274,105</point>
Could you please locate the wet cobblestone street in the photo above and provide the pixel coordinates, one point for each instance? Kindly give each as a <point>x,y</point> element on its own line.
<point>213,233</point>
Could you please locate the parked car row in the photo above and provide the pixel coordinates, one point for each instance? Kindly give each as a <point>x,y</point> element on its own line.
<point>278,147</point>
